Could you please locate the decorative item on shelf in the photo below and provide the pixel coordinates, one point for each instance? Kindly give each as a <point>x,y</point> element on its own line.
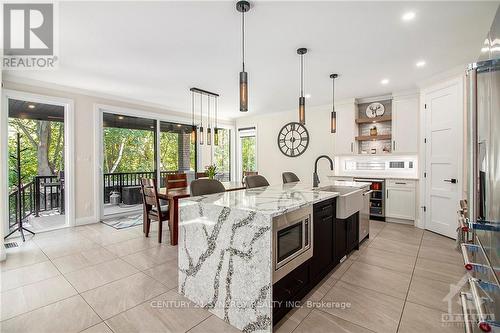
<point>293,139</point>
<point>375,109</point>
<point>386,149</point>
<point>373,131</point>
<point>302,100</point>
<point>211,171</point>
<point>243,7</point>
<point>333,118</point>
<point>373,150</point>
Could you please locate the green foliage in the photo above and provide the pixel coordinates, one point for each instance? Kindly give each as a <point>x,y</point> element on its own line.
<point>222,157</point>
<point>248,153</point>
<point>31,133</point>
<point>211,170</point>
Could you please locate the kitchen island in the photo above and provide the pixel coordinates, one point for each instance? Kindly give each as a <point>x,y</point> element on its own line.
<point>226,250</point>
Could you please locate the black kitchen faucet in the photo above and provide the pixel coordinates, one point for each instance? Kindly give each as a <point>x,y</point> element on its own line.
<point>315,174</point>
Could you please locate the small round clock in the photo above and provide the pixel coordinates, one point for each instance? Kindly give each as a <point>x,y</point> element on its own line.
<point>293,139</point>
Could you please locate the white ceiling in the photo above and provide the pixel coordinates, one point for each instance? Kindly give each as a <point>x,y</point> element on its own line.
<point>155,51</point>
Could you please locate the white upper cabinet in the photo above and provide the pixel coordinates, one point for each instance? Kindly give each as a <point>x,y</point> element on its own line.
<point>346,129</point>
<point>405,111</point>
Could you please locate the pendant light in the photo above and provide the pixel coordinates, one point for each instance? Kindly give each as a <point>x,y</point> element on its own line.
<point>193,126</point>
<point>216,130</point>
<point>243,7</point>
<point>209,130</point>
<point>201,119</point>
<point>302,99</point>
<point>333,119</point>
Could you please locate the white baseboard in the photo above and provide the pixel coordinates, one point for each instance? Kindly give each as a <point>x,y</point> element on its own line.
<point>86,220</point>
<point>400,221</point>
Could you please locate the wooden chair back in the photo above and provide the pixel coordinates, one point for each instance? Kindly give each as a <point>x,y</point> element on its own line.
<point>201,175</point>
<point>149,194</point>
<point>178,180</point>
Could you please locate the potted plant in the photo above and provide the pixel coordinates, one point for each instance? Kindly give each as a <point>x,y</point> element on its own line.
<point>210,170</point>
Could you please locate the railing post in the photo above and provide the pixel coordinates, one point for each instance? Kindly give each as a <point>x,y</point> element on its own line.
<point>37,196</point>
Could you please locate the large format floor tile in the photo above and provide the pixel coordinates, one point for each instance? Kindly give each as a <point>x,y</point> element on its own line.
<point>77,261</point>
<point>23,299</point>
<point>408,234</point>
<point>152,256</point>
<point>378,279</point>
<point>417,319</point>
<point>367,308</point>
<point>390,260</point>
<point>166,273</point>
<point>291,320</point>
<point>69,315</point>
<point>27,253</point>
<point>100,274</point>
<point>130,246</point>
<point>213,325</point>
<point>318,321</point>
<point>399,247</point>
<point>433,294</point>
<point>121,295</point>
<point>99,328</point>
<point>25,275</point>
<point>441,254</point>
<point>166,313</point>
<point>440,271</point>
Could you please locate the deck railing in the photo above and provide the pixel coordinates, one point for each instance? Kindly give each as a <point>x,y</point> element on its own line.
<point>20,207</point>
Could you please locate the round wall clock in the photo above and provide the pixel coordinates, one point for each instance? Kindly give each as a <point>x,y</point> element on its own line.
<point>293,139</point>
<point>375,109</point>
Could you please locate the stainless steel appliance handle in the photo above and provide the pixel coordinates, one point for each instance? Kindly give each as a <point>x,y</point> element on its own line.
<point>367,192</point>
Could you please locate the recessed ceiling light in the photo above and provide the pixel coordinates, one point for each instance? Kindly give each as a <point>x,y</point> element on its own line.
<point>385,81</point>
<point>307,95</point>
<point>31,106</point>
<point>120,117</point>
<point>408,16</point>
<point>420,63</point>
<point>179,125</point>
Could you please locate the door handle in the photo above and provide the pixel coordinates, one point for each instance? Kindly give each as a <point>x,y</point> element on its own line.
<point>452,180</point>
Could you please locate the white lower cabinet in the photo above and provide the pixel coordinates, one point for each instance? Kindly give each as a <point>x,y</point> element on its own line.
<point>400,199</point>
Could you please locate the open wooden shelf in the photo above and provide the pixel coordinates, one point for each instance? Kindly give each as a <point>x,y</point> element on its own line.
<point>373,137</point>
<point>373,120</point>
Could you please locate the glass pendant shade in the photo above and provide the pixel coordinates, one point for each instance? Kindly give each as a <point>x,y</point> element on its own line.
<point>209,136</point>
<point>201,135</point>
<point>193,134</point>
<point>333,122</point>
<point>216,136</point>
<point>302,110</point>
<point>243,91</point>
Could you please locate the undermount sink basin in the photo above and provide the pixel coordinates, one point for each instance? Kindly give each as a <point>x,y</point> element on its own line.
<point>349,201</point>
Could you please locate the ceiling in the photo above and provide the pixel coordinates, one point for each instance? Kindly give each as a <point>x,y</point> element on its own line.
<point>155,51</point>
<point>36,111</point>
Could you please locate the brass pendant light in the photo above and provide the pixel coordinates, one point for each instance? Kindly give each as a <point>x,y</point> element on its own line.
<point>302,99</point>
<point>243,7</point>
<point>333,118</point>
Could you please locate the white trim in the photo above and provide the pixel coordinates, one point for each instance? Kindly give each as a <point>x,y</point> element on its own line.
<point>86,220</point>
<point>74,90</point>
<point>69,147</point>
<point>239,170</point>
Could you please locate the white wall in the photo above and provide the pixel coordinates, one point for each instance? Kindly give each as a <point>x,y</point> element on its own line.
<point>3,171</point>
<point>271,162</point>
<point>85,159</point>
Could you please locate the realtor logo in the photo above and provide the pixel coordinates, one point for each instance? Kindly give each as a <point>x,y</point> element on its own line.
<point>28,34</point>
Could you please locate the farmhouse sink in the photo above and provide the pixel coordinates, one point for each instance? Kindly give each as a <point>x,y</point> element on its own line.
<point>349,201</point>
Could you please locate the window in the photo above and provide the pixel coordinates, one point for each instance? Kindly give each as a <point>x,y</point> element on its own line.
<point>177,153</point>
<point>222,155</point>
<point>247,145</point>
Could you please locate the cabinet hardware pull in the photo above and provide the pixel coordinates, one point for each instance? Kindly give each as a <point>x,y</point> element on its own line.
<point>400,183</point>
<point>452,180</point>
<point>387,194</point>
<point>394,145</point>
<point>352,147</point>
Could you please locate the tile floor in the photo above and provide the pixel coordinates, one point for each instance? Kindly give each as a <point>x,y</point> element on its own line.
<point>98,279</point>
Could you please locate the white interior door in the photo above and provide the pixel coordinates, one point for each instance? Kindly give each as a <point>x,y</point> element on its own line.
<point>444,135</point>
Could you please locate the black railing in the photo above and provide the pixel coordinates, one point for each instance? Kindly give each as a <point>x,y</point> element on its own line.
<point>49,194</point>
<point>21,206</point>
<point>115,182</point>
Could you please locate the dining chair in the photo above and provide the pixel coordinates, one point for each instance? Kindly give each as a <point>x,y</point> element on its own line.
<point>201,175</point>
<point>255,181</point>
<point>176,180</point>
<point>289,177</point>
<point>248,173</point>
<point>206,186</point>
<point>153,210</point>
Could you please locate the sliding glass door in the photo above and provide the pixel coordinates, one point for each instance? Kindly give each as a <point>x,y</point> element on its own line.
<point>129,154</point>
<point>177,152</point>
<point>222,155</point>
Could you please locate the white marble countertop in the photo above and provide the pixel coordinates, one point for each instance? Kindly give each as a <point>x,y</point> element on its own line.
<point>272,200</point>
<point>375,177</point>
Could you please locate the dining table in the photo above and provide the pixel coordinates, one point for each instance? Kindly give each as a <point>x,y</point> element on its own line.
<point>173,195</point>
